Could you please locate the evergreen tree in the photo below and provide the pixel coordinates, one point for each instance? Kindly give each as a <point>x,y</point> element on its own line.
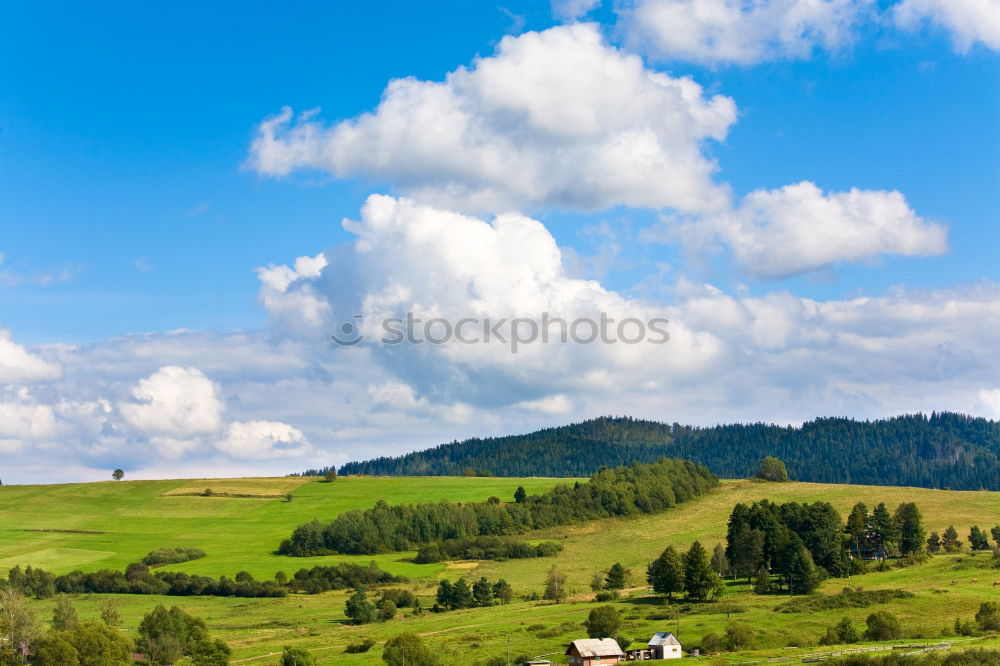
<point>949,540</point>
<point>520,495</point>
<point>359,609</point>
<point>884,530</point>
<point>666,573</point>
<point>912,537</point>
<point>978,539</point>
<point>995,533</point>
<point>615,579</point>
<point>762,581</point>
<point>857,526</point>
<point>800,570</point>
<point>747,551</point>
<point>461,595</point>
<point>720,564</point>
<point>482,592</point>
<point>772,469</point>
<point>445,594</point>
<point>699,579</point>
<point>933,543</point>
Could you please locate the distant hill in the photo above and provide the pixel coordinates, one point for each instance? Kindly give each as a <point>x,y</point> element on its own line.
<point>943,450</point>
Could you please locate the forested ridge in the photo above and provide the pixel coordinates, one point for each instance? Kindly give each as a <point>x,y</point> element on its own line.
<point>940,450</point>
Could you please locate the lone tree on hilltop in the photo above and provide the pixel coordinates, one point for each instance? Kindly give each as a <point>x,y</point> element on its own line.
<point>331,475</point>
<point>772,469</point>
<point>118,474</point>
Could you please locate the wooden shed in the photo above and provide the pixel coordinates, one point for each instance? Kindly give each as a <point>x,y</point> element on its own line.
<point>665,646</point>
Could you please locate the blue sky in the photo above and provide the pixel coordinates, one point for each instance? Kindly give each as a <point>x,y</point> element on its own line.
<point>132,207</point>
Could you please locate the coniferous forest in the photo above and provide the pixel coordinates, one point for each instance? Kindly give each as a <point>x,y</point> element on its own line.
<point>941,450</point>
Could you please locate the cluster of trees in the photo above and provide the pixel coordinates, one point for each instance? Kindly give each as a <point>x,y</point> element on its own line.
<point>624,491</point>
<point>485,548</point>
<point>799,542</point>
<point>164,637</point>
<point>881,534</point>
<point>137,579</point>
<point>458,595</point>
<point>361,610</point>
<point>942,450</point>
<point>691,573</point>
<point>339,577</point>
<point>949,542</point>
<point>163,556</point>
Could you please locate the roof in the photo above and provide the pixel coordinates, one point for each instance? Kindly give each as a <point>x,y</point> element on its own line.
<point>663,638</point>
<point>596,647</point>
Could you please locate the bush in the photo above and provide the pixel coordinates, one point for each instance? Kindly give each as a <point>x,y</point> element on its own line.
<point>606,595</point>
<point>711,643</point>
<point>358,648</point>
<point>988,616</point>
<point>163,556</point>
<point>293,656</point>
<point>739,636</point>
<point>883,626</point>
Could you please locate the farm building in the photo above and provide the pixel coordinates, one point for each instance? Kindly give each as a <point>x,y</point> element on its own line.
<point>665,645</point>
<point>595,652</point>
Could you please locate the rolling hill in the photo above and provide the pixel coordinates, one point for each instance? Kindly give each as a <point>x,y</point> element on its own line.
<point>99,525</point>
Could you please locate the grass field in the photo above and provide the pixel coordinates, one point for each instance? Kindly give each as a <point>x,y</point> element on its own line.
<point>240,534</point>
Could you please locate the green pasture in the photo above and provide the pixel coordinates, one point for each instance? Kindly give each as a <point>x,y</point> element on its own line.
<point>239,534</point>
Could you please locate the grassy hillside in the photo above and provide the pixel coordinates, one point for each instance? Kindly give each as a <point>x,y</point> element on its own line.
<point>135,517</point>
<point>240,534</point>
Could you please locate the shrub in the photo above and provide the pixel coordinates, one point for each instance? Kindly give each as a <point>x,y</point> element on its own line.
<point>711,643</point>
<point>294,656</point>
<point>988,616</point>
<point>883,626</point>
<point>172,556</point>
<point>358,648</point>
<point>606,595</point>
<point>739,636</point>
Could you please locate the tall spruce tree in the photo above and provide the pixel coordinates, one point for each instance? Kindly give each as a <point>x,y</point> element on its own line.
<point>912,536</point>
<point>949,540</point>
<point>857,526</point>
<point>699,579</point>
<point>615,580</point>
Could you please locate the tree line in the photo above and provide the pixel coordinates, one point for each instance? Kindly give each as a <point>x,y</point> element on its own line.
<point>485,548</point>
<point>940,450</point>
<point>137,579</point>
<point>623,491</point>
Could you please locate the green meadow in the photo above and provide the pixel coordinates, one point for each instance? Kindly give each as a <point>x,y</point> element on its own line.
<point>134,517</point>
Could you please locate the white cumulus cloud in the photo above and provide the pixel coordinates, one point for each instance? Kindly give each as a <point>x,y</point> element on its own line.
<point>259,440</point>
<point>569,10</point>
<point>175,402</point>
<point>555,118</point>
<point>968,21</point>
<point>19,366</point>
<point>799,228</point>
<point>740,32</point>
